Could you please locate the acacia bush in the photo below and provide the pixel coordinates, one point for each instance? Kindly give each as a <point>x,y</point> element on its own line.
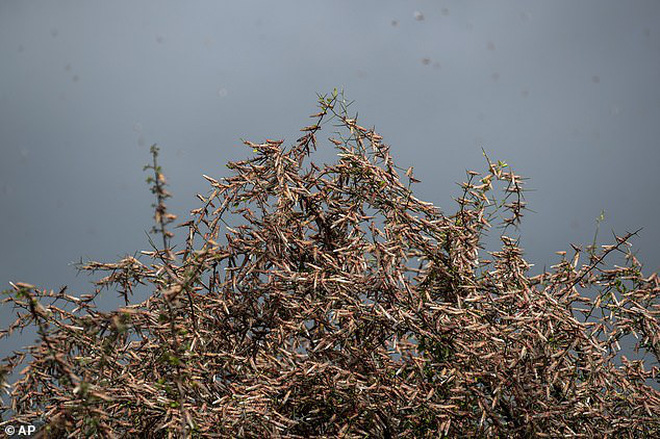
<point>328,301</point>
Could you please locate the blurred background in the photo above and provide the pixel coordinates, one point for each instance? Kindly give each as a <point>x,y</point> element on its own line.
<point>565,92</point>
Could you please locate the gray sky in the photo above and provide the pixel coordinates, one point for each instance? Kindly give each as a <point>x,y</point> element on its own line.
<point>566,92</point>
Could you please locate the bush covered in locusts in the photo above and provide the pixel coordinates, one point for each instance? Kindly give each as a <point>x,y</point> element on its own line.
<point>329,301</point>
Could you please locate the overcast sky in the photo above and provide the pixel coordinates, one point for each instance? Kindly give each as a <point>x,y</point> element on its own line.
<point>565,92</point>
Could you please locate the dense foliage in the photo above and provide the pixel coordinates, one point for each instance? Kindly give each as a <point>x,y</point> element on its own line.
<point>328,301</point>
